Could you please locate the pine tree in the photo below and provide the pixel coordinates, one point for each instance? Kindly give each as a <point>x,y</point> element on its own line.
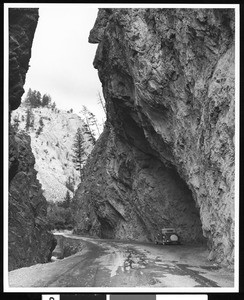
<point>41,122</point>
<point>80,155</point>
<point>67,200</point>
<point>46,100</point>
<point>29,118</point>
<point>28,97</point>
<point>38,99</point>
<point>39,130</point>
<point>33,99</point>
<point>32,121</point>
<point>53,106</point>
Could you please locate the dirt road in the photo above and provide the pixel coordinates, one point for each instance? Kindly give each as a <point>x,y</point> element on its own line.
<point>109,263</point>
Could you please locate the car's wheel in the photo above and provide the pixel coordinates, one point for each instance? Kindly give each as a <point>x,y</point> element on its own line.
<point>174,238</point>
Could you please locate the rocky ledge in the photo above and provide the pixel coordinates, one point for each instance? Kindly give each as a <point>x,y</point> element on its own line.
<point>166,157</point>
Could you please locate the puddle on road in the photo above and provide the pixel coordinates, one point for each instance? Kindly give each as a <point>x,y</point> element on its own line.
<point>135,260</point>
<point>163,272</point>
<point>123,261</point>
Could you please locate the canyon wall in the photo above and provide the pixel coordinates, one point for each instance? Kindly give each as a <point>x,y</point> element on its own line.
<point>29,239</point>
<point>166,157</point>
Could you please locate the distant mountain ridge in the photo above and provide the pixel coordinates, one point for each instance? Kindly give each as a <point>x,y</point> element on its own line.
<point>52,147</point>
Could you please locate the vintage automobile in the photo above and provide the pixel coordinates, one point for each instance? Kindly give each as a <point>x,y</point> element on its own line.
<point>168,236</point>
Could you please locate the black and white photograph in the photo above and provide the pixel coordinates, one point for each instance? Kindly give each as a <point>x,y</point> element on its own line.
<point>121,148</point>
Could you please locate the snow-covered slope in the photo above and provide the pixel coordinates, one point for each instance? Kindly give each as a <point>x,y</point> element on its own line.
<point>52,148</point>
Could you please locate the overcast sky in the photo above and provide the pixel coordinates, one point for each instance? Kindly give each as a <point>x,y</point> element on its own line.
<point>62,59</point>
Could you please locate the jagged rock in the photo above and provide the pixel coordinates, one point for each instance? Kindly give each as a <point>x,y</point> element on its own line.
<point>29,239</point>
<point>22,26</point>
<point>53,148</point>
<point>167,154</point>
<point>130,194</point>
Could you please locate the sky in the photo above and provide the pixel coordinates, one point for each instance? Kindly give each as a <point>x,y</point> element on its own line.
<point>61,63</point>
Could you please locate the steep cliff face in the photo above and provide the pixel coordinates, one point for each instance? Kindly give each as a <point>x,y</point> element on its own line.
<point>22,26</point>
<point>53,148</point>
<point>167,155</point>
<point>130,194</point>
<point>29,239</point>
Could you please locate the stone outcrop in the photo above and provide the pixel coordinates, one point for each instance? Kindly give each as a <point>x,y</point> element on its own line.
<point>52,148</point>
<point>22,26</point>
<point>166,157</point>
<point>29,239</point>
<point>135,194</point>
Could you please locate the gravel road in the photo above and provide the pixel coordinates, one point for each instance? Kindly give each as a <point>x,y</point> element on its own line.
<point>110,263</point>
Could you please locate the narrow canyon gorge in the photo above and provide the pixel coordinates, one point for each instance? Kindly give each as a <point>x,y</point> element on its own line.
<point>166,157</point>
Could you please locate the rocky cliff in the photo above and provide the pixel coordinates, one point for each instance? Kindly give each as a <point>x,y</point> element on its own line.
<point>22,26</point>
<point>166,157</point>
<point>53,148</point>
<point>29,239</point>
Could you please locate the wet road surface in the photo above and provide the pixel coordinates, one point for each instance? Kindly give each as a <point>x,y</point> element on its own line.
<point>109,263</point>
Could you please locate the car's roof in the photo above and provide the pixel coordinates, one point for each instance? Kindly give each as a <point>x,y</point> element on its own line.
<point>171,228</point>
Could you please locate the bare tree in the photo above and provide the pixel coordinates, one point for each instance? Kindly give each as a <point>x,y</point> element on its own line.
<point>90,121</point>
<point>101,101</point>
